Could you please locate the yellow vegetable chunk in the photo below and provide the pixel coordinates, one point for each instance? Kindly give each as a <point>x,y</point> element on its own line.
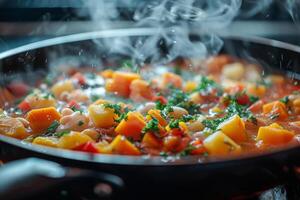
<point>73,140</point>
<point>46,141</point>
<point>121,145</point>
<point>220,144</point>
<point>37,100</point>
<point>12,127</point>
<point>102,117</point>
<point>276,107</point>
<point>131,126</point>
<point>234,128</point>
<point>256,90</point>
<point>62,86</point>
<point>274,134</point>
<point>151,141</point>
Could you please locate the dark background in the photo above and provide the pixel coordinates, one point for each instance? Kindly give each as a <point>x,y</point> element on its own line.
<point>25,21</point>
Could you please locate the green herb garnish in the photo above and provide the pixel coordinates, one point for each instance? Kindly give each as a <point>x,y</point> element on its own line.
<point>62,133</point>
<point>52,128</point>
<point>151,126</point>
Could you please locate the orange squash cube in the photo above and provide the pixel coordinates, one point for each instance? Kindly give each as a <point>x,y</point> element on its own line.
<point>40,119</point>
<point>151,141</point>
<point>120,83</point>
<point>169,78</point>
<point>276,107</point>
<point>274,134</point>
<point>131,126</point>
<point>140,90</point>
<point>120,145</point>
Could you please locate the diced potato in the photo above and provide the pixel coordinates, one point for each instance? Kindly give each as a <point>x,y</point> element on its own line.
<point>37,100</point>
<point>40,119</point>
<point>102,117</point>
<point>169,78</point>
<point>220,144</point>
<point>190,86</point>
<point>234,128</point>
<point>72,140</point>
<point>46,141</point>
<point>121,145</point>
<point>140,90</point>
<point>62,86</point>
<point>91,133</point>
<point>12,127</point>
<point>120,83</point>
<point>131,126</point>
<point>151,141</point>
<point>234,71</point>
<point>276,107</point>
<point>274,134</point>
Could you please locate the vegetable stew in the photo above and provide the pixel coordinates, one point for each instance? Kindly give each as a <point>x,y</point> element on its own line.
<point>220,106</point>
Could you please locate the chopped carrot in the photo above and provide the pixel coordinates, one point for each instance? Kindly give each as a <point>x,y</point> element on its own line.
<point>40,119</point>
<point>156,114</point>
<point>120,83</point>
<point>140,90</point>
<point>107,73</point>
<point>131,126</point>
<point>151,141</point>
<point>274,134</point>
<point>171,79</point>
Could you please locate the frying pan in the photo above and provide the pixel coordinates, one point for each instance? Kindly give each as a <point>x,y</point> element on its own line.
<point>139,177</point>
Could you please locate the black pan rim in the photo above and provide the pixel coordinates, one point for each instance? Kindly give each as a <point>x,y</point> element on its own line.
<point>133,160</point>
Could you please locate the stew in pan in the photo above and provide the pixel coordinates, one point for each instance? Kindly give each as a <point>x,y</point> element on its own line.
<point>221,106</point>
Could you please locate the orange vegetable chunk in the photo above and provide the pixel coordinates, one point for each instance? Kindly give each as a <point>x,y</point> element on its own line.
<point>151,141</point>
<point>12,127</point>
<point>120,83</point>
<point>40,119</point>
<point>121,145</point>
<point>169,78</point>
<point>274,134</point>
<point>276,107</point>
<point>131,126</point>
<point>140,90</point>
<point>234,128</point>
<point>73,140</point>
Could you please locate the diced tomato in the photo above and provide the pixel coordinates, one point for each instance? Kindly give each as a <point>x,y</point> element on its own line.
<point>162,99</point>
<point>24,106</point>
<point>73,104</point>
<point>176,132</point>
<point>243,99</point>
<point>199,148</point>
<point>87,147</point>
<point>18,89</point>
<point>80,78</point>
<point>256,107</point>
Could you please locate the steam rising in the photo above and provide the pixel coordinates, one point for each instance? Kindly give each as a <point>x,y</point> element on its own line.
<point>173,21</point>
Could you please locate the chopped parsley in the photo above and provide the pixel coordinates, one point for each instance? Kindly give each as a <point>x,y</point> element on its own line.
<point>174,123</point>
<point>47,95</point>
<point>206,85</point>
<point>52,128</point>
<point>62,133</point>
<point>274,116</point>
<point>116,107</point>
<point>187,151</point>
<point>76,109</point>
<point>151,126</point>
<point>285,100</point>
<point>233,109</point>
